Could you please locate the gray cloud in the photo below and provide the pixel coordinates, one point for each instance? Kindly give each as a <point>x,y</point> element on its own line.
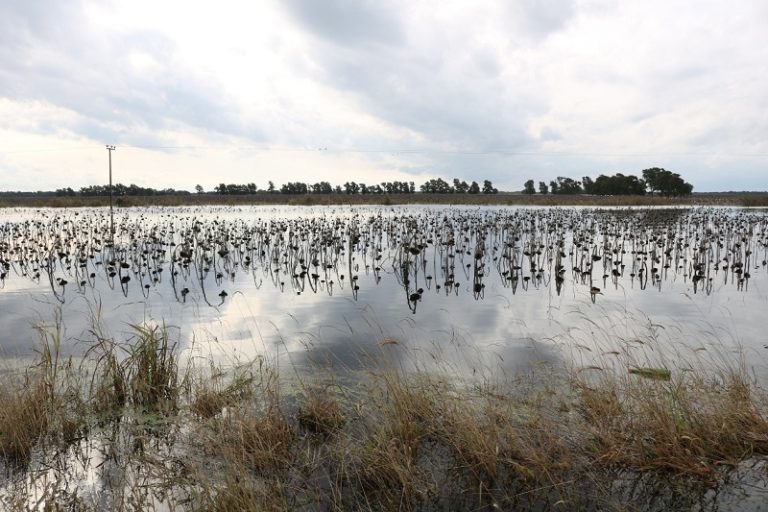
<point>349,23</point>
<point>50,56</point>
<point>452,105</point>
<point>541,17</point>
<point>445,85</point>
<point>420,92</point>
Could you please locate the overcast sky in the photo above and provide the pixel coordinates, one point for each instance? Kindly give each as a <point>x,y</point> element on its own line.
<point>196,92</point>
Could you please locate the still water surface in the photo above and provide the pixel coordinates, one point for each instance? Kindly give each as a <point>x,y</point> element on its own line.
<point>331,284</point>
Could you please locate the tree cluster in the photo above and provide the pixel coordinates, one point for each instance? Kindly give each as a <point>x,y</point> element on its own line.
<point>654,180</point>
<point>235,189</point>
<point>616,185</point>
<point>440,186</point>
<point>386,187</point>
<point>666,182</point>
<point>565,185</point>
<point>294,187</point>
<point>119,190</point>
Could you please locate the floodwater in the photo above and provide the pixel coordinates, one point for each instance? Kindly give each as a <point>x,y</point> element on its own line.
<point>331,285</point>
<point>466,288</point>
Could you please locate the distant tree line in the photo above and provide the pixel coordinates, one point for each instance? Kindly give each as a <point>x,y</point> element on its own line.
<point>119,190</point>
<point>433,186</point>
<point>654,180</point>
<point>232,189</point>
<point>439,186</point>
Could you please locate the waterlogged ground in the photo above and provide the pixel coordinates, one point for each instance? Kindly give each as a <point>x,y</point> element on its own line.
<point>328,283</point>
<point>639,328</point>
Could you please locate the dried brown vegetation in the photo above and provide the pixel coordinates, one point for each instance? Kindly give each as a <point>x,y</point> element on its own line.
<point>687,426</point>
<point>24,413</point>
<point>724,199</point>
<point>244,437</point>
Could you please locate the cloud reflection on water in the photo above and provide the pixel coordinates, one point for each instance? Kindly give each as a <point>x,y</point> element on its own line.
<point>505,326</point>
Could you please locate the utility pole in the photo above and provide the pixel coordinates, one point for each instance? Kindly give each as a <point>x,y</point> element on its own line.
<point>110,149</point>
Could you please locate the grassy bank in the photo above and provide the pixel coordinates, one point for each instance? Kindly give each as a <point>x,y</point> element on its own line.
<point>756,199</point>
<point>132,427</point>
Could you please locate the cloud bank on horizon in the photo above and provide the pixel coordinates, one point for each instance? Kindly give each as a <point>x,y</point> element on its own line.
<point>363,90</point>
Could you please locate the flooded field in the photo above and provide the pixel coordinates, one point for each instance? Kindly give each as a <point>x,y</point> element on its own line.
<point>333,279</point>
<point>430,312</point>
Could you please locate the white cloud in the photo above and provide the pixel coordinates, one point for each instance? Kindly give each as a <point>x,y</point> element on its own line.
<point>525,89</point>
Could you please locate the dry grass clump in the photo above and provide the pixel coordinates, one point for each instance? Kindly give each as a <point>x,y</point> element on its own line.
<point>211,395</point>
<point>142,372</point>
<point>151,370</point>
<point>259,441</point>
<point>109,394</point>
<point>386,471</point>
<point>489,432</point>
<point>256,435</point>
<point>320,412</point>
<point>421,441</point>
<point>208,403</point>
<point>385,453</point>
<point>483,436</point>
<point>24,418</point>
<point>46,399</point>
<point>410,404</point>
<point>241,493</point>
<point>248,439</point>
<point>688,425</point>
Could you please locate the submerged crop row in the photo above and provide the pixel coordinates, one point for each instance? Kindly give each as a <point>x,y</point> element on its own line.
<point>206,256</point>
